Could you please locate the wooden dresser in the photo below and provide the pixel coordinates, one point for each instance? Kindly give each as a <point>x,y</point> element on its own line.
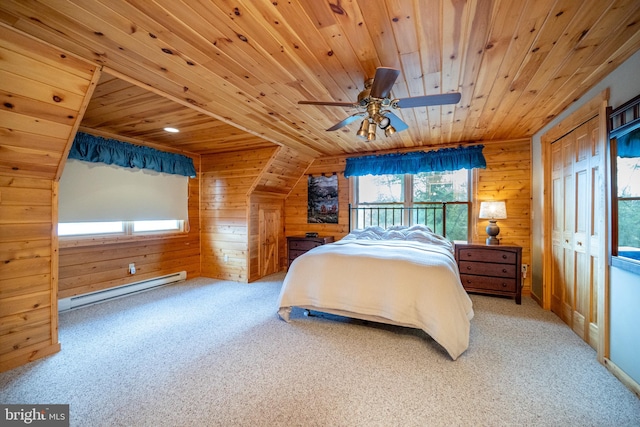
<point>492,270</point>
<point>298,245</point>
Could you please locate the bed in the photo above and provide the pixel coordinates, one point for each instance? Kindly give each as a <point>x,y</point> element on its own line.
<point>405,276</point>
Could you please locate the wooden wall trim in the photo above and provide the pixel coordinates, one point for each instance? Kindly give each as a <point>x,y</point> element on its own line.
<point>93,83</point>
<point>575,119</point>
<point>55,261</point>
<point>622,376</point>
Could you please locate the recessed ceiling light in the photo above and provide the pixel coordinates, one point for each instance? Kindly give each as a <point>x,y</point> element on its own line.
<point>172,130</point>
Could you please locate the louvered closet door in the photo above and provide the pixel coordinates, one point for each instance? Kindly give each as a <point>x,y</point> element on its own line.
<point>577,213</point>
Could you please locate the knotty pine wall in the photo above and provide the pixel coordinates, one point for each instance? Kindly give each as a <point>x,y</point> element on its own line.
<point>44,92</point>
<point>507,177</point>
<point>227,181</point>
<point>88,265</point>
<point>235,186</point>
<point>296,203</point>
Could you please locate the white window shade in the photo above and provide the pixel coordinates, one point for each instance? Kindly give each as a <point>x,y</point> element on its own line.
<point>100,192</point>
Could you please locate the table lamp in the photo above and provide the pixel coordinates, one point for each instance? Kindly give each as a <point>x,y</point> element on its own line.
<point>493,211</point>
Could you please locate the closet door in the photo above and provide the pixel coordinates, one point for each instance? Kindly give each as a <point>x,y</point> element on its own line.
<point>560,291</point>
<point>595,232</point>
<point>583,193</point>
<point>577,204</point>
<point>269,233</point>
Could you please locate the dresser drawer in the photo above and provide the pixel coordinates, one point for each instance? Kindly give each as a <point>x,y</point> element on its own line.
<point>488,255</point>
<point>483,283</point>
<point>299,245</point>
<point>293,254</point>
<point>303,245</point>
<point>485,269</point>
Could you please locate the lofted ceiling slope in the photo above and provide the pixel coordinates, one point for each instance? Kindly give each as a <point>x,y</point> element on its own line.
<point>244,65</point>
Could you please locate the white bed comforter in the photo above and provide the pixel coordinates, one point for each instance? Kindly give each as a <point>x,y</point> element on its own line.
<point>405,283</point>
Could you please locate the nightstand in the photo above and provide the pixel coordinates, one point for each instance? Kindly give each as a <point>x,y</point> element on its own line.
<point>299,245</point>
<point>491,270</point>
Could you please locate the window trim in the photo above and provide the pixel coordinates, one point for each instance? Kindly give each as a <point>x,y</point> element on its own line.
<point>617,126</point>
<point>127,236</point>
<point>408,197</point>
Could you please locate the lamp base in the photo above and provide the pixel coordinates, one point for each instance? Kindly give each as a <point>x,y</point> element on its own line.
<point>492,241</point>
<point>492,231</point>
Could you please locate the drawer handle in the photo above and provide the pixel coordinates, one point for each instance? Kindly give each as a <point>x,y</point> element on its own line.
<point>504,257</point>
<point>468,253</point>
<point>468,267</point>
<point>504,285</point>
<point>504,270</point>
<point>468,281</point>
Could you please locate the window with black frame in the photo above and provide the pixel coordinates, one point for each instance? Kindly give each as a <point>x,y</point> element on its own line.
<point>439,200</point>
<point>421,187</point>
<point>625,165</point>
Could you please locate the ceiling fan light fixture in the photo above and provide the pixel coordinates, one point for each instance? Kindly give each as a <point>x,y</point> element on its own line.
<point>382,121</point>
<point>371,136</point>
<point>375,101</point>
<point>364,129</point>
<point>389,130</point>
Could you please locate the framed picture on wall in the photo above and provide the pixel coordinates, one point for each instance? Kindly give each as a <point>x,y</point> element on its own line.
<point>322,203</point>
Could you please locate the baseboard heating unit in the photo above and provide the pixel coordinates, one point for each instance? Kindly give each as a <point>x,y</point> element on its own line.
<point>83,300</point>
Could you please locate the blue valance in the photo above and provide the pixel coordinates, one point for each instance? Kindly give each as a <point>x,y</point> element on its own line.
<point>96,149</point>
<point>446,159</point>
<point>629,144</point>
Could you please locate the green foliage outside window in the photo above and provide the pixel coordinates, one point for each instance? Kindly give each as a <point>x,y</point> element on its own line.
<point>428,193</point>
<point>628,181</point>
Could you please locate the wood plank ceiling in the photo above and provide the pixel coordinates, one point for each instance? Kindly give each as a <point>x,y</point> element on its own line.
<point>242,66</point>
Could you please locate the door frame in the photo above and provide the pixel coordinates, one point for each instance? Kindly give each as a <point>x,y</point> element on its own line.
<point>595,107</point>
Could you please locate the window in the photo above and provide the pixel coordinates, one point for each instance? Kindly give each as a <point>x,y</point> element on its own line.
<point>624,125</point>
<point>439,200</point>
<point>119,227</point>
<point>95,197</point>
<point>628,183</point>
<point>84,228</point>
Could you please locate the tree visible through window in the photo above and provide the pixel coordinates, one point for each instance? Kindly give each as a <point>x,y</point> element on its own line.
<point>628,182</point>
<point>434,199</point>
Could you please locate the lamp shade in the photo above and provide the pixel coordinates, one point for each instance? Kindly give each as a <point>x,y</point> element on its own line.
<point>493,210</point>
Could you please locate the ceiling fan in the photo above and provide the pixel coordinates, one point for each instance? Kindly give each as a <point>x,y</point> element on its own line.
<point>376,103</point>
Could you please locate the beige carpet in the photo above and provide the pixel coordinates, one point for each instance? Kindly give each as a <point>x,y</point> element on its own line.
<point>209,353</point>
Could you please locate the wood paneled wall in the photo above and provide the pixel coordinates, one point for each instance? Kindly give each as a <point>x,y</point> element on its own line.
<point>234,187</point>
<point>43,93</point>
<point>227,181</point>
<point>507,177</point>
<point>296,203</point>
<point>28,303</point>
<point>92,265</point>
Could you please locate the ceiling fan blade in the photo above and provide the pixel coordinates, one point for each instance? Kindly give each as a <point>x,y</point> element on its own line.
<point>427,100</point>
<point>331,103</point>
<point>396,122</point>
<point>383,82</point>
<point>346,121</point>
